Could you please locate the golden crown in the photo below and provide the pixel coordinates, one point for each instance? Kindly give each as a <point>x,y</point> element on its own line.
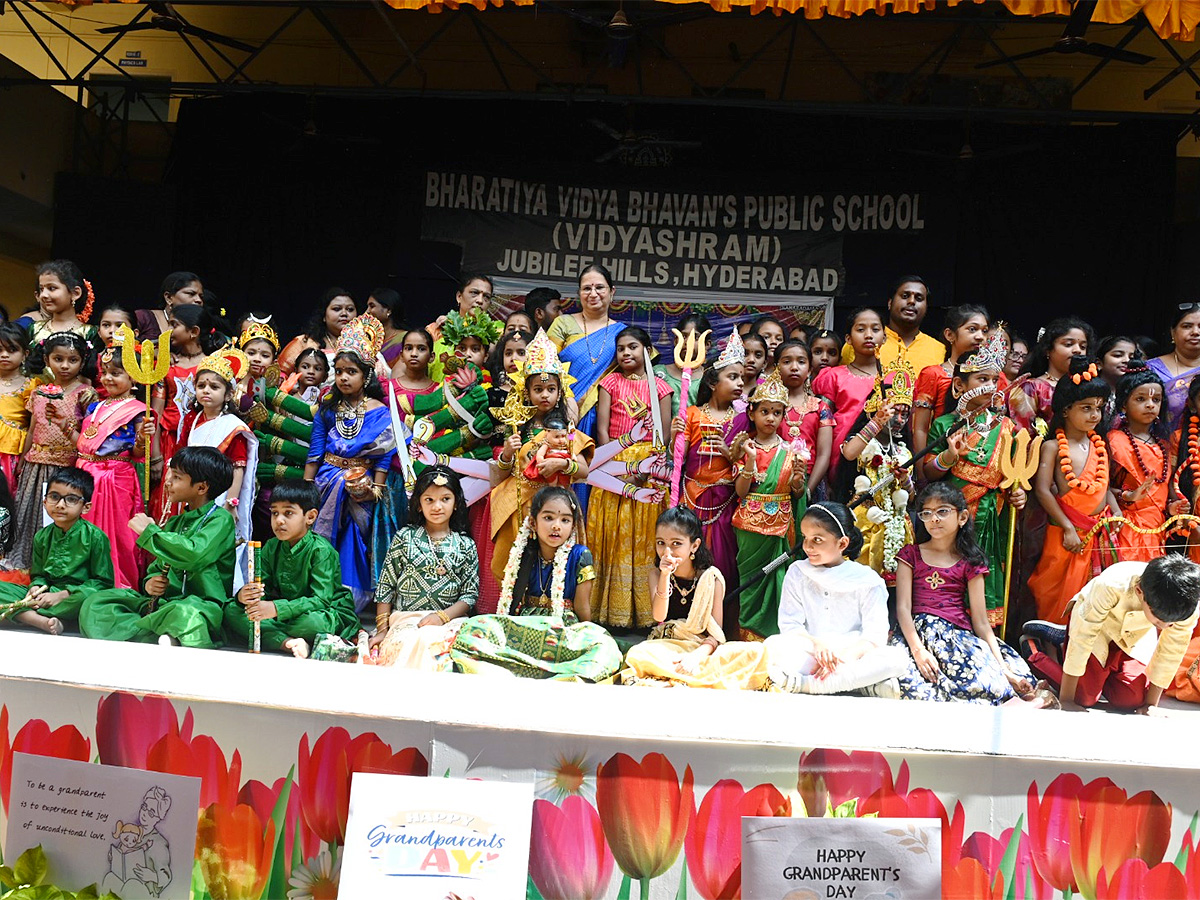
<point>229,363</point>
<point>771,390</point>
<point>897,381</point>
<point>362,336</point>
<point>258,331</point>
<point>541,358</point>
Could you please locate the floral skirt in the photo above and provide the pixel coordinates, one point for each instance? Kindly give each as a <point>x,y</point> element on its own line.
<point>969,671</point>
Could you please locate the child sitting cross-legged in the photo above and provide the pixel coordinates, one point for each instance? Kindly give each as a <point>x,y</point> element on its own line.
<point>191,577</point>
<point>71,557</point>
<point>297,593</point>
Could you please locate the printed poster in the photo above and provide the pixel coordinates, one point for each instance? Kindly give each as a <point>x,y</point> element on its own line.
<point>856,859</point>
<point>434,838</point>
<point>125,830</point>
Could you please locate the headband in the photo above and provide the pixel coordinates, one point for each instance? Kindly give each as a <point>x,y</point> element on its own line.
<point>829,512</point>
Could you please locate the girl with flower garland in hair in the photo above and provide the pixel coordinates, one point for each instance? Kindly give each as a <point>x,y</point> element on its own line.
<point>825,347</point>
<point>880,447</point>
<point>966,328</point>
<point>429,582</point>
<point>65,300</point>
<point>542,627</point>
<point>714,439</point>
<point>193,337</point>
<point>687,647</point>
<point>970,459</point>
<point>1072,487</point>
<point>770,477</point>
<point>310,380</point>
<point>942,613</point>
<point>1141,463</point>
<point>1029,397</point>
<point>621,526</point>
<point>15,388</point>
<point>351,451</point>
<point>212,423</point>
<point>113,438</point>
<point>56,411</point>
<point>833,618</point>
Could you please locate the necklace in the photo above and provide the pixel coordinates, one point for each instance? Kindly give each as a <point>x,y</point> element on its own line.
<point>349,419</point>
<point>103,413</point>
<point>1090,486</point>
<point>685,594</point>
<point>544,569</point>
<point>437,553</point>
<point>770,446</point>
<point>862,372</point>
<point>1137,455</point>
<point>722,419</point>
<point>587,339</point>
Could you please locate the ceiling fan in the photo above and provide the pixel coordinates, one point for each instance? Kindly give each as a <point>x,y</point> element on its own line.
<point>1073,41</point>
<point>163,17</point>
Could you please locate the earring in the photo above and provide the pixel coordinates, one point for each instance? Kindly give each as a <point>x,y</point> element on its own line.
<point>693,556</point>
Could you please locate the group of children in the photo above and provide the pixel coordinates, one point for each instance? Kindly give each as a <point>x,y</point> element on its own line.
<point>442,476</point>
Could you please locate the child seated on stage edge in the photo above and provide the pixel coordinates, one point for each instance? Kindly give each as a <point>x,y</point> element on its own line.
<point>833,618</point>
<point>297,593</point>
<point>190,578</point>
<point>1108,618</point>
<point>71,559</point>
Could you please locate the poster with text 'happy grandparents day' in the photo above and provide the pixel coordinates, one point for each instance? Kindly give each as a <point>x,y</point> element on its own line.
<point>433,838</point>
<point>127,831</point>
<point>854,859</point>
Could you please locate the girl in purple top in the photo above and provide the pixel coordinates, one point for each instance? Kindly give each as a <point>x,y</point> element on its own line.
<point>942,613</point>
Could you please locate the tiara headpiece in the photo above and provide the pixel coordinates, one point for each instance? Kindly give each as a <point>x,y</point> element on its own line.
<point>771,390</point>
<point>362,336</point>
<point>734,352</point>
<point>991,357</point>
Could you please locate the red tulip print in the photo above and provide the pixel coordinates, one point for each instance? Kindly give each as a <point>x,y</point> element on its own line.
<point>35,736</point>
<point>262,799</point>
<point>568,858</point>
<point>831,777</point>
<point>1112,828</point>
<point>990,851</point>
<point>326,770</point>
<point>202,758</point>
<point>128,726</point>
<point>645,811</point>
<point>1050,821</point>
<point>969,880</point>
<point>714,841</point>
<point>233,847</point>
<point>1134,879</point>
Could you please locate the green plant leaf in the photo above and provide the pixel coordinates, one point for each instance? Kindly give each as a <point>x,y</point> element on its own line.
<point>91,892</point>
<point>626,887</point>
<point>7,878</point>
<point>199,885</point>
<point>1008,862</point>
<point>681,894</point>
<point>531,891</point>
<point>277,883</point>
<point>847,810</point>
<point>1181,859</point>
<point>31,866</point>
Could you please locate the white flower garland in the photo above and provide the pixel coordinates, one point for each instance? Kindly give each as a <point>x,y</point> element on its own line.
<point>558,577</point>
<point>890,510</point>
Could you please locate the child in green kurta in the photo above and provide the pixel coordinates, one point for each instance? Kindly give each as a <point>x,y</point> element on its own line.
<point>298,592</point>
<point>191,577</point>
<point>71,557</point>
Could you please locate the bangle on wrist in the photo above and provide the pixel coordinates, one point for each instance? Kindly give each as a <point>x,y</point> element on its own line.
<point>505,463</point>
<point>441,614</point>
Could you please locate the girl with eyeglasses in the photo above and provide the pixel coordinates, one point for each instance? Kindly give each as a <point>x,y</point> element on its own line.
<point>942,612</point>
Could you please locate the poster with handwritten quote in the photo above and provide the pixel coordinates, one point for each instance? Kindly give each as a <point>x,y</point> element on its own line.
<point>128,831</point>
<point>856,859</point>
<point>434,838</point>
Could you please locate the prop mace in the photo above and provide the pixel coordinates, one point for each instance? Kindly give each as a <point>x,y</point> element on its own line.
<point>1018,461</point>
<point>149,370</point>
<point>690,350</point>
<point>254,578</point>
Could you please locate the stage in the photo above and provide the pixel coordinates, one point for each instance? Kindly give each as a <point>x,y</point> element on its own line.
<point>271,717</point>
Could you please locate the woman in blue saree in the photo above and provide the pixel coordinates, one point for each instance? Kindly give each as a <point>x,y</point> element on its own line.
<point>351,451</point>
<point>588,341</point>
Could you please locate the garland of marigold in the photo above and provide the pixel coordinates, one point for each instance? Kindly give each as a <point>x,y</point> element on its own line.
<point>1168,525</point>
<point>1064,463</point>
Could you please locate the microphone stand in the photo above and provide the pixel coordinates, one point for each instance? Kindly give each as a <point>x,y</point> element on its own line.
<point>857,500</point>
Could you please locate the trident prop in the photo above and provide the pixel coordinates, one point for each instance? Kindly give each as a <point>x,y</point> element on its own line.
<point>690,350</point>
<point>1018,461</point>
<point>149,370</point>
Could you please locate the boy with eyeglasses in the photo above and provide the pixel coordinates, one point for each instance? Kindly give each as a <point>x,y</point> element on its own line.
<point>71,559</point>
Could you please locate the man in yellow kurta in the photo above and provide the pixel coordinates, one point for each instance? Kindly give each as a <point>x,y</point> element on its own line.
<point>904,339</point>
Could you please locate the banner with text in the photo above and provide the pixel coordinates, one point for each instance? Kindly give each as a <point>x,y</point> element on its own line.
<point>708,240</point>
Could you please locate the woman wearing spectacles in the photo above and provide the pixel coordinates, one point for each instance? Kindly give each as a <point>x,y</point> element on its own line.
<point>1178,367</point>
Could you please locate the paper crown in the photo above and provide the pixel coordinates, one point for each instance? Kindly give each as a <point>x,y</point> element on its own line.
<point>734,352</point>
<point>258,331</point>
<point>991,357</point>
<point>771,390</point>
<point>362,336</point>
<point>478,325</point>
<point>229,363</point>
<point>897,382</point>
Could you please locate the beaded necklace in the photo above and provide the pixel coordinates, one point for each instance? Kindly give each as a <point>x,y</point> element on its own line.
<point>349,419</point>
<point>1137,455</point>
<point>1090,486</point>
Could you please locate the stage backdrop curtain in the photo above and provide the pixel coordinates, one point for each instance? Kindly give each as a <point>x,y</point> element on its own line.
<point>1169,18</point>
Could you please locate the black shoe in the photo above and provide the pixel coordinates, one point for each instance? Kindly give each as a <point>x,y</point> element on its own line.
<point>1045,632</point>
